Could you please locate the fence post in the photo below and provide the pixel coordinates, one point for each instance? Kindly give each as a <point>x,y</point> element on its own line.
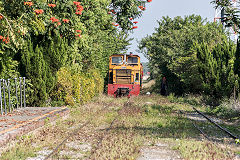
<point>4,96</point>
<point>1,96</point>
<point>9,94</point>
<point>20,84</point>
<point>24,95</point>
<point>16,92</point>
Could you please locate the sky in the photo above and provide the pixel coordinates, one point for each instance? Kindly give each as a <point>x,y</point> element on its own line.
<point>172,8</point>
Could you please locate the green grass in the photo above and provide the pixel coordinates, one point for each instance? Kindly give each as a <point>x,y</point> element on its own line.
<point>200,150</point>
<point>139,122</point>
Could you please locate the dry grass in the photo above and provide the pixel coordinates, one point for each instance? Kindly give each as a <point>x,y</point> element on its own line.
<point>140,119</point>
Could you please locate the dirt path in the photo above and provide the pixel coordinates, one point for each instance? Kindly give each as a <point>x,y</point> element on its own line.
<point>159,151</point>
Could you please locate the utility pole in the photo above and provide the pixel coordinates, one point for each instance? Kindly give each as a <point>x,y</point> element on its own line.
<point>220,17</point>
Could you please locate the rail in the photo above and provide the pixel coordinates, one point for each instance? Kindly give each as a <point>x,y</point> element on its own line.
<point>220,127</point>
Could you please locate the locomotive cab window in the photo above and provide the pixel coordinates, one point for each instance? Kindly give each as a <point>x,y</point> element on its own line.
<point>137,77</point>
<point>110,80</point>
<point>116,60</point>
<point>132,60</point>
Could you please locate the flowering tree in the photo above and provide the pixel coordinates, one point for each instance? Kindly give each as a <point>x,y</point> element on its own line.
<point>39,37</point>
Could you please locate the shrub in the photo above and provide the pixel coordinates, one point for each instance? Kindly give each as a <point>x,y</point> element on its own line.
<point>227,109</point>
<point>77,88</point>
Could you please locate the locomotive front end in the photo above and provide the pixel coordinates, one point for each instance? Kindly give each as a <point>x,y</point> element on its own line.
<point>125,75</point>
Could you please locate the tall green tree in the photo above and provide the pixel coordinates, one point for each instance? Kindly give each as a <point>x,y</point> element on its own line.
<point>40,38</point>
<point>171,50</point>
<point>216,69</point>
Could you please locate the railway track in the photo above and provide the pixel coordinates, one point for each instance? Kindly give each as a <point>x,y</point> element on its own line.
<point>227,132</point>
<point>88,122</point>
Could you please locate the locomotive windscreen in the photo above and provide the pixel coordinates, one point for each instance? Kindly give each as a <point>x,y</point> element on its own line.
<point>116,60</point>
<point>123,76</point>
<point>132,60</point>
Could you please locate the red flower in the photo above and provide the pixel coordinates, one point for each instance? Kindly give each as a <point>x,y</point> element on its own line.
<point>113,11</point>
<point>52,5</point>
<point>28,4</point>
<point>134,27</point>
<point>59,23</point>
<point>65,20</point>
<point>53,19</point>
<point>76,3</point>
<point>79,8</point>
<point>78,35</point>
<point>142,8</point>
<point>1,37</point>
<point>6,40</point>
<point>78,12</point>
<point>135,22</point>
<point>1,17</point>
<point>78,31</point>
<point>38,11</point>
<point>109,12</point>
<point>149,0</point>
<point>131,18</point>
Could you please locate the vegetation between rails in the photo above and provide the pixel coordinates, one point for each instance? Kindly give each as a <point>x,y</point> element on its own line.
<point>143,121</point>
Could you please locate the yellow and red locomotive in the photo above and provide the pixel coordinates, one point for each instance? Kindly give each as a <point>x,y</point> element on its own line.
<point>125,75</point>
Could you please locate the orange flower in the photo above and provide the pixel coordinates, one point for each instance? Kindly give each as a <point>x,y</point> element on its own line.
<point>28,4</point>
<point>142,8</point>
<point>1,37</point>
<point>6,40</point>
<point>78,13</point>
<point>78,35</point>
<point>79,8</point>
<point>1,17</point>
<point>78,31</point>
<point>38,11</point>
<point>59,23</point>
<point>52,5</point>
<point>65,20</point>
<point>53,19</point>
<point>76,3</point>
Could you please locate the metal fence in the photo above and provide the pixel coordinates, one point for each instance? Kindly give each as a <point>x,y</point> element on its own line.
<point>12,94</point>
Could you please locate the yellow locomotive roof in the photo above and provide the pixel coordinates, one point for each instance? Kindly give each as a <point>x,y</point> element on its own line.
<point>134,55</point>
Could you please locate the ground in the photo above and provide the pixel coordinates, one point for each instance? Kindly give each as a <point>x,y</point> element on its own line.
<point>147,127</point>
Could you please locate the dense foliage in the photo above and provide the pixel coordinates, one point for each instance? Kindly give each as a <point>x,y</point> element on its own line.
<point>63,46</point>
<point>195,56</point>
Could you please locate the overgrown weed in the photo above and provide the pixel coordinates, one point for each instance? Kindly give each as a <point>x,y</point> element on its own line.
<point>141,119</point>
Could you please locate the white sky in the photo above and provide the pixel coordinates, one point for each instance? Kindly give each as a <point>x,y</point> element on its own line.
<point>172,8</point>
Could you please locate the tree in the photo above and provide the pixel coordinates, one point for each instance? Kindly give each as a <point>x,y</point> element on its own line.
<point>216,69</point>
<point>171,51</point>
<point>40,38</point>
